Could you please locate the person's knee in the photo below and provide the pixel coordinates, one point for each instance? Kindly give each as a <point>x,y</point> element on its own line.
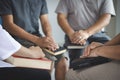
<point>63,63</point>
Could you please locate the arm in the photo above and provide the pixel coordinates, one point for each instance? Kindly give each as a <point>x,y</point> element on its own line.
<point>110,49</point>
<point>112,52</point>
<point>12,28</point>
<point>64,24</point>
<point>97,26</point>
<point>114,41</point>
<point>100,23</point>
<point>46,27</point>
<point>73,35</point>
<point>32,52</point>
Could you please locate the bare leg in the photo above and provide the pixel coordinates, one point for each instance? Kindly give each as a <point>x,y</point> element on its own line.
<point>61,69</point>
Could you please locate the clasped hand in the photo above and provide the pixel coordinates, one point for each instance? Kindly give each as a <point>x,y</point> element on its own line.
<point>79,37</point>
<point>92,50</point>
<point>47,42</point>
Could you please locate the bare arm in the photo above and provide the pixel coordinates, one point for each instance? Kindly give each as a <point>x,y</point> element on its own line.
<point>64,24</point>
<point>114,41</point>
<point>110,49</point>
<point>83,35</point>
<point>112,52</point>
<point>16,30</point>
<point>100,23</point>
<point>46,25</point>
<point>12,28</point>
<point>32,52</point>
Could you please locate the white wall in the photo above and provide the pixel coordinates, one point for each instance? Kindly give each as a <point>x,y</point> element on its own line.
<point>58,34</point>
<point>114,26</point>
<point>118,17</point>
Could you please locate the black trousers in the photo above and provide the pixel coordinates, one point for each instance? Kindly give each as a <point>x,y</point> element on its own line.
<point>17,73</point>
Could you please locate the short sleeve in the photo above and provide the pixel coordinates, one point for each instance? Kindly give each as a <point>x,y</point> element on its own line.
<point>44,9</point>
<point>62,7</point>
<point>8,45</point>
<point>107,7</point>
<point>5,7</point>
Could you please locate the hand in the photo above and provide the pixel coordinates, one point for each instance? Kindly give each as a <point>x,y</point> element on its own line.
<point>54,45</point>
<point>47,42</point>
<point>80,37</point>
<point>91,49</point>
<point>36,52</point>
<point>75,38</point>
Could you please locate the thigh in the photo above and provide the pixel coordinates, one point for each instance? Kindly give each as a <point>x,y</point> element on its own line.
<point>99,37</point>
<point>75,54</point>
<point>107,71</point>
<point>16,73</point>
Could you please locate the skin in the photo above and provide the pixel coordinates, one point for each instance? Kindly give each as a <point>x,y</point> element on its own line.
<point>80,37</point>
<point>32,52</point>
<point>109,49</point>
<point>44,42</point>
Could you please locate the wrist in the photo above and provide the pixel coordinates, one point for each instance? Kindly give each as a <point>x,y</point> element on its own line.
<point>49,34</point>
<point>35,39</point>
<point>70,33</point>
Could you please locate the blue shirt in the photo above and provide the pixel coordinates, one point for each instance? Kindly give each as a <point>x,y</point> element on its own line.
<point>0,21</point>
<point>25,13</point>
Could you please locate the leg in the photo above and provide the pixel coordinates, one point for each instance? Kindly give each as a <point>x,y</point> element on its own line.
<point>75,54</point>
<point>61,69</point>
<point>16,73</point>
<point>99,37</point>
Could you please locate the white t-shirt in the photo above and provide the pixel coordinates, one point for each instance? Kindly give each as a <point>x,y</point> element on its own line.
<point>8,46</point>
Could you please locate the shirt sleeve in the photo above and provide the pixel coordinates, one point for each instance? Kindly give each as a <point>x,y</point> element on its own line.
<point>44,9</point>
<point>62,7</point>
<point>5,7</point>
<point>107,7</point>
<point>8,45</point>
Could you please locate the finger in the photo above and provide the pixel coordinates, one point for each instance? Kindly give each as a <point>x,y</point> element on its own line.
<point>87,51</point>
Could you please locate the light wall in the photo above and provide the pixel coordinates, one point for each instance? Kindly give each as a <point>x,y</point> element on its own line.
<point>118,16</point>
<point>58,34</point>
<point>114,26</point>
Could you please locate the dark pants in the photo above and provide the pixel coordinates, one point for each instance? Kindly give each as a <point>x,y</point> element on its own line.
<point>76,53</point>
<point>16,73</point>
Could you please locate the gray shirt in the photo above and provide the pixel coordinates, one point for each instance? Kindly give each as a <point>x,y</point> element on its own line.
<point>81,14</point>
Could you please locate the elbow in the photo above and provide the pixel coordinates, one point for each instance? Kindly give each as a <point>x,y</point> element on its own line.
<point>107,18</point>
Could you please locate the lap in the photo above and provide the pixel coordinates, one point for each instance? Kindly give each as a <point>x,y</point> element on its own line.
<point>107,71</point>
<point>16,73</point>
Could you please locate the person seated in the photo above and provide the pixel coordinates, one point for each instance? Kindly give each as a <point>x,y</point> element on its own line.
<point>9,47</point>
<point>107,71</point>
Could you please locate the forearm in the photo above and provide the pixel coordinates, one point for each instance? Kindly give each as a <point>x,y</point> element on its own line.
<point>114,41</point>
<point>112,52</point>
<point>99,24</point>
<point>46,27</point>
<point>16,30</point>
<point>64,24</point>
<point>23,52</point>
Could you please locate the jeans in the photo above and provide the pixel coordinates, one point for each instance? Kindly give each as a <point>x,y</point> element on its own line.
<point>76,53</point>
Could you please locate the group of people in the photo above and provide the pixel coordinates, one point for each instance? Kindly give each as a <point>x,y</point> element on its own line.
<point>82,22</point>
